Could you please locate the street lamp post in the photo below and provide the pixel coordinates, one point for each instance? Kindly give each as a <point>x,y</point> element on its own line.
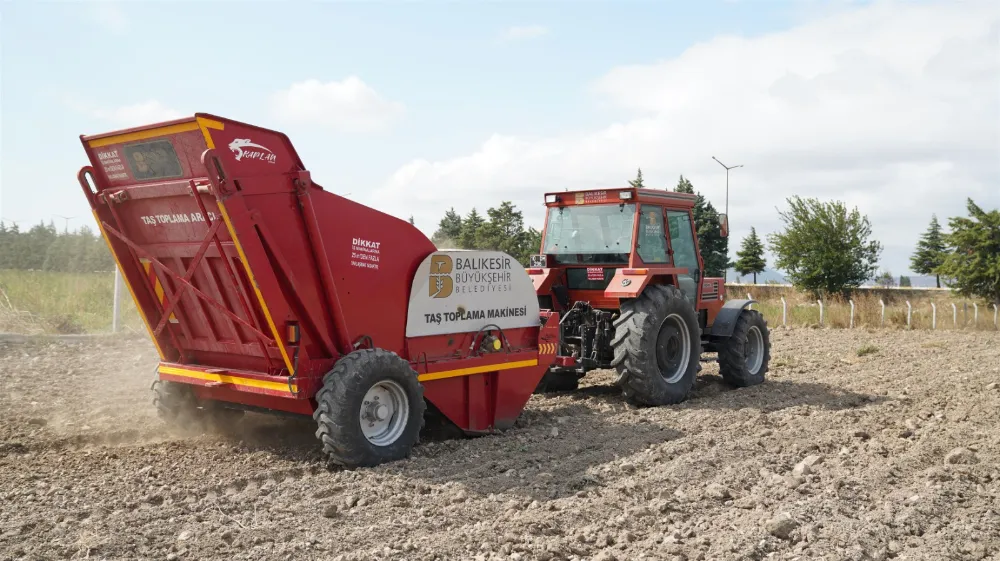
<point>727,181</point>
<point>726,272</point>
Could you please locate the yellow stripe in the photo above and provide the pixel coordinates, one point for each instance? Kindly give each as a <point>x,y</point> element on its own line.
<point>145,320</point>
<point>141,135</point>
<point>477,370</point>
<point>157,287</point>
<point>253,281</point>
<point>206,124</point>
<point>227,379</point>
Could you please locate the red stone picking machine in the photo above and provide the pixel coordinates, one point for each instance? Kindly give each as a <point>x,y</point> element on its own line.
<point>264,292</point>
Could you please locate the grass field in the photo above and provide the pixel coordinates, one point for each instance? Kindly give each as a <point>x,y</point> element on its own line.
<point>33,302</point>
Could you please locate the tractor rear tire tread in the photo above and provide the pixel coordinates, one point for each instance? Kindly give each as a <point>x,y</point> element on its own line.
<point>732,362</point>
<point>635,347</point>
<point>338,404</point>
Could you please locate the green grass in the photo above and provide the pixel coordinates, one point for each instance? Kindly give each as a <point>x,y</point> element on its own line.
<point>867,350</point>
<point>49,302</point>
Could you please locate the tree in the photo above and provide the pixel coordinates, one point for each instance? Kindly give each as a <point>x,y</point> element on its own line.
<point>904,281</point>
<point>930,251</point>
<point>751,256</point>
<point>468,236</point>
<point>449,229</point>
<point>684,186</point>
<point>505,232</point>
<point>885,280</point>
<point>825,248</point>
<point>713,246</point>
<point>637,182</point>
<point>972,264</point>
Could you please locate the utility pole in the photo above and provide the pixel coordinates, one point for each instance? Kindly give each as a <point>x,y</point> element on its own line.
<point>727,181</point>
<point>726,275</point>
<point>66,218</point>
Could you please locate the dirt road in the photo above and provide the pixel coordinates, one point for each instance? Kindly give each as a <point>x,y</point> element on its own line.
<point>890,455</point>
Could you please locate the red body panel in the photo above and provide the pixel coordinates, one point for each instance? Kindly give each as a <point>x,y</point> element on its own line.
<point>253,280</point>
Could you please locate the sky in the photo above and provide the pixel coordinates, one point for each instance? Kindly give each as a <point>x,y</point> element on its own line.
<point>417,107</point>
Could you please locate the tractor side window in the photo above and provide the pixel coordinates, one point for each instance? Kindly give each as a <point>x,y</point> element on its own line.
<point>682,240</point>
<point>652,235</point>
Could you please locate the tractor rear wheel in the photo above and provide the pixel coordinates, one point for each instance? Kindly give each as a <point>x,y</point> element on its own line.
<point>744,356</point>
<point>370,409</point>
<point>657,347</point>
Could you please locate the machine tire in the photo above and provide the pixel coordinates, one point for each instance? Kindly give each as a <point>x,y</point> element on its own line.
<point>341,401</point>
<point>733,351</point>
<point>176,405</point>
<point>636,345</point>
<point>557,382</point>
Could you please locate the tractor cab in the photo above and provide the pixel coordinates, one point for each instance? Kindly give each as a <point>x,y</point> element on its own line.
<point>609,254</point>
<point>592,237</point>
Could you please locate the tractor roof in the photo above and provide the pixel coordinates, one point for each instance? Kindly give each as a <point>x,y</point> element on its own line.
<point>666,198</point>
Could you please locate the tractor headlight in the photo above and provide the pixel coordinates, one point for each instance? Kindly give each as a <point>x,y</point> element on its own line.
<point>551,198</point>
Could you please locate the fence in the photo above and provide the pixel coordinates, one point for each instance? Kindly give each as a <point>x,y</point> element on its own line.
<point>864,317</point>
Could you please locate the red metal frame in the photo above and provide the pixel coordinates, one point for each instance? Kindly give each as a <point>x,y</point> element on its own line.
<point>255,261</point>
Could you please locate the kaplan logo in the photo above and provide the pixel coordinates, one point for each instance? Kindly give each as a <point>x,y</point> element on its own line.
<point>244,149</point>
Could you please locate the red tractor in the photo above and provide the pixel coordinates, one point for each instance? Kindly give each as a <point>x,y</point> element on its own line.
<point>623,269</point>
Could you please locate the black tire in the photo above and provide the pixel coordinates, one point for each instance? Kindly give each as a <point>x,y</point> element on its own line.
<point>645,342</point>
<point>341,401</point>
<point>734,362</point>
<point>177,405</point>
<point>558,382</point>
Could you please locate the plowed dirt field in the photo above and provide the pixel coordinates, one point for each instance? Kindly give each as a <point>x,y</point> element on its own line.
<point>893,454</point>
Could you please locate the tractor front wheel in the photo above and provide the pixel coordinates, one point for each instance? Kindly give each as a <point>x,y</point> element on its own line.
<point>657,347</point>
<point>744,356</point>
<point>370,409</point>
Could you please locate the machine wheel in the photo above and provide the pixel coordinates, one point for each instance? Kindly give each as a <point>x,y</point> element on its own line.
<point>176,404</point>
<point>370,409</point>
<point>657,347</point>
<point>744,355</point>
<point>558,382</point>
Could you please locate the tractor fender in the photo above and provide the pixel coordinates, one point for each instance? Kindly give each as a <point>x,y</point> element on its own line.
<point>725,320</point>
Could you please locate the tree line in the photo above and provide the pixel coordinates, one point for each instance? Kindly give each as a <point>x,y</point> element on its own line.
<point>43,248</point>
<point>825,248</point>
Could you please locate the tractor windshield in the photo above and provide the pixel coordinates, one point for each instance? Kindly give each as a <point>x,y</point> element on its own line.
<point>590,233</point>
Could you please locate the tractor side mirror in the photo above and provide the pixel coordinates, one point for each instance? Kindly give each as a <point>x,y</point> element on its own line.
<point>724,225</point>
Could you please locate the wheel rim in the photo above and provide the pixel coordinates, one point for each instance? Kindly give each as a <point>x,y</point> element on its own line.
<point>384,412</point>
<point>754,350</point>
<point>673,348</point>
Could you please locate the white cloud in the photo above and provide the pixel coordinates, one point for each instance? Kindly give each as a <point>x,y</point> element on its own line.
<point>525,32</point>
<point>893,107</point>
<point>349,105</point>
<point>126,116</point>
<point>109,15</point>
